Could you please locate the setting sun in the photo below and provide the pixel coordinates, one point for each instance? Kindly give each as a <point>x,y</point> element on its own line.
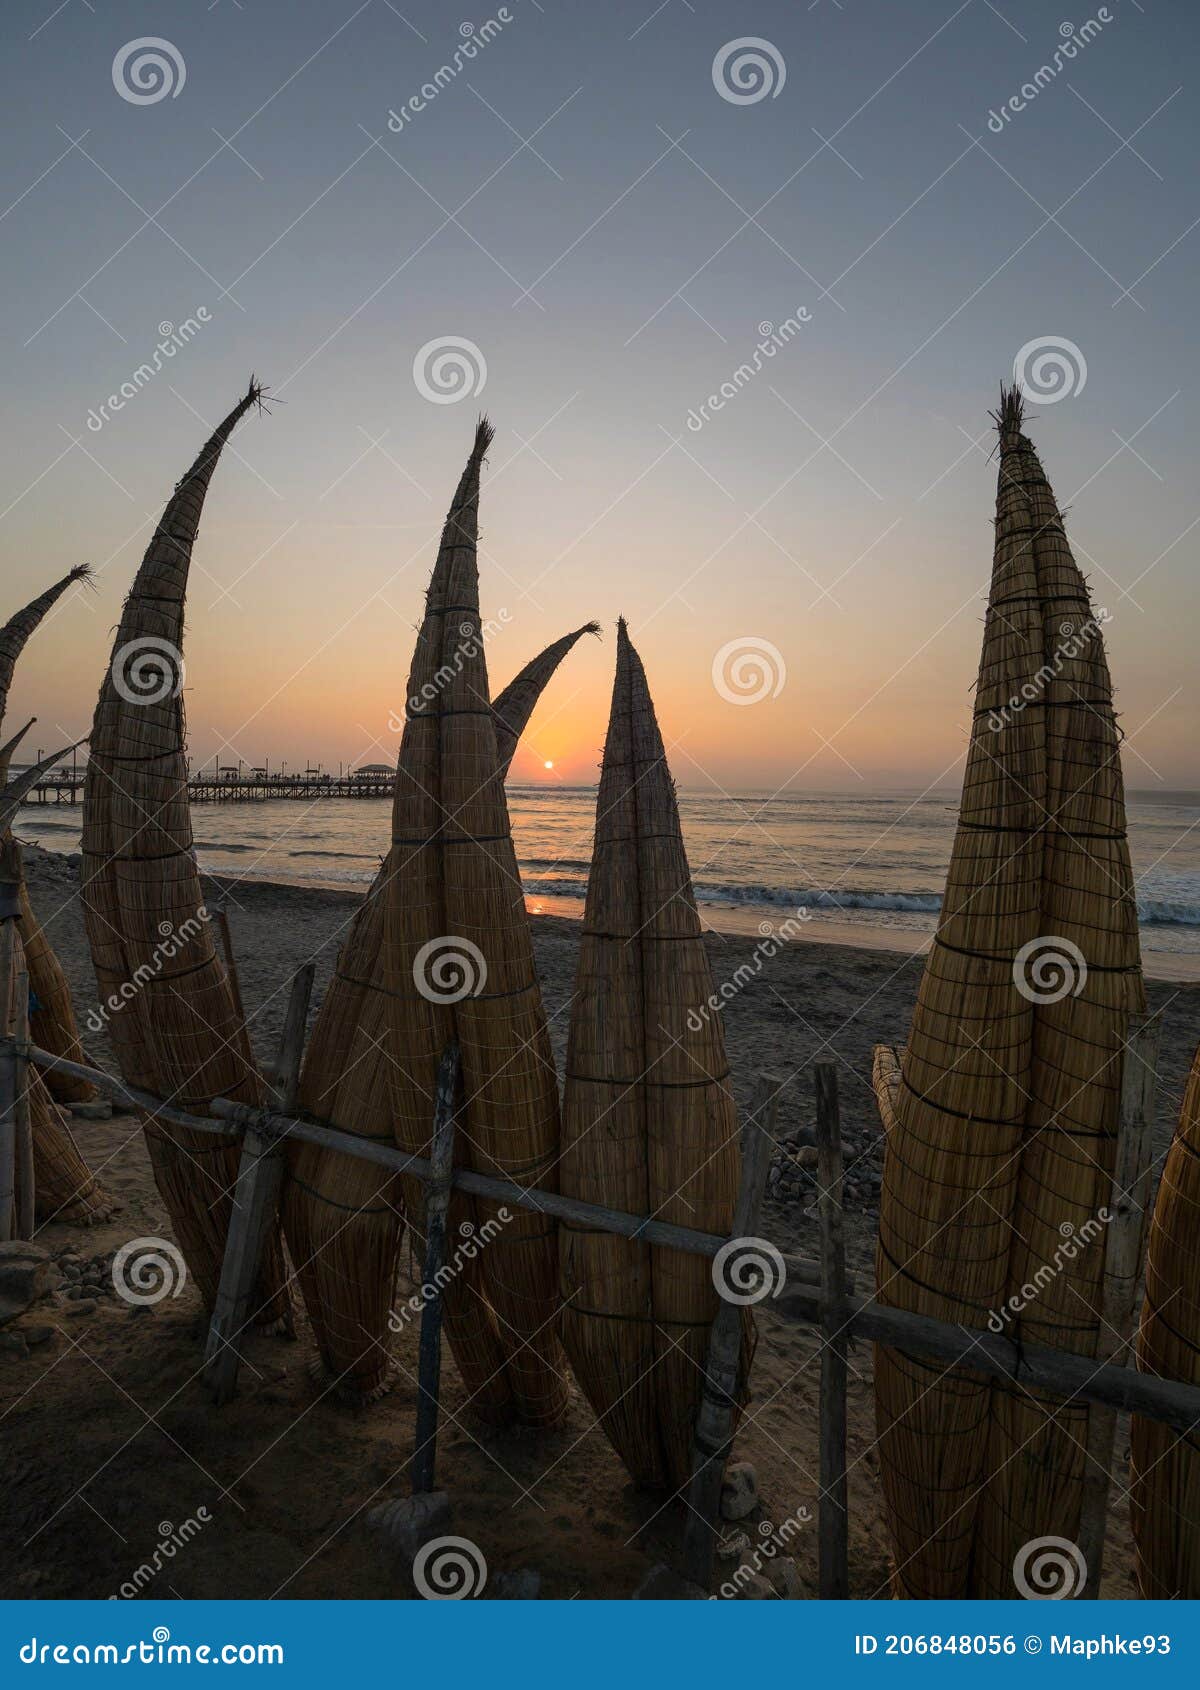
<point>547,765</point>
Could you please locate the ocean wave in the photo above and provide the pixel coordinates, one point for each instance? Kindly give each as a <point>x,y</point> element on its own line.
<point>352,856</point>
<point>1152,912</point>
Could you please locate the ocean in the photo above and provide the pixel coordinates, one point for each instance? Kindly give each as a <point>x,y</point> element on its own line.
<point>866,866</point>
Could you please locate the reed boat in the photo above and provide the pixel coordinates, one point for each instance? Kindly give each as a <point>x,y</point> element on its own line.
<point>344,1218</point>
<point>1002,1126</point>
<point>172,1013</point>
<point>649,1124</point>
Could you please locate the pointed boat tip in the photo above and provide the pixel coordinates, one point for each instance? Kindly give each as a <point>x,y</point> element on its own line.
<point>1009,416</point>
<point>7,749</point>
<point>485,433</point>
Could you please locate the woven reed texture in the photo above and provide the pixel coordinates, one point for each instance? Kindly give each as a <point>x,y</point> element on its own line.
<point>886,1064</point>
<point>649,1124</point>
<point>453,891</point>
<point>1002,1148</point>
<point>1165,1483</point>
<point>175,1027</point>
<point>65,1189</point>
<point>52,1022</point>
<point>344,1219</point>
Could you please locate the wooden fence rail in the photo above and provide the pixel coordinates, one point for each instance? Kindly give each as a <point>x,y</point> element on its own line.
<point>814,1293</point>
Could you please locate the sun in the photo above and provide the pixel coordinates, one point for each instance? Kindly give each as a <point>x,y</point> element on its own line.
<point>548,764</point>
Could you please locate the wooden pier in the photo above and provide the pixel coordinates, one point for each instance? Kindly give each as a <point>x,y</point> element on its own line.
<point>245,789</point>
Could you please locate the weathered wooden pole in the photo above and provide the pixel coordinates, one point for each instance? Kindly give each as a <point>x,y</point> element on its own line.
<point>833,1521</point>
<point>10,1075</point>
<point>1123,1247</point>
<point>24,1195</point>
<point>719,1392</point>
<point>220,921</point>
<point>437,1203</point>
<point>255,1202</point>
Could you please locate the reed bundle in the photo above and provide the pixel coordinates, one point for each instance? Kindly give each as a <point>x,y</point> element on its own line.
<point>174,1023</point>
<point>649,1124</point>
<point>344,1218</point>
<point>65,1187</point>
<point>1001,1151</point>
<point>459,964</point>
<point>1165,1483</point>
<point>52,1021</point>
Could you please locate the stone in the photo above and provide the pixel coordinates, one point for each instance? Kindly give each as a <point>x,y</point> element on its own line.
<point>34,1335</point>
<point>756,1589</point>
<point>85,1305</point>
<point>784,1578</point>
<point>24,1277</point>
<point>663,1584</point>
<point>807,1157</point>
<point>12,1343</point>
<point>739,1491</point>
<point>405,1524</point>
<point>737,1543</point>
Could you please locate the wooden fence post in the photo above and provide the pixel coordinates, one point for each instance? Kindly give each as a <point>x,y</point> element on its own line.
<point>437,1203</point>
<point>719,1393</point>
<point>833,1523</point>
<point>24,1195</point>
<point>10,1066</point>
<point>1123,1246</point>
<point>255,1200</point>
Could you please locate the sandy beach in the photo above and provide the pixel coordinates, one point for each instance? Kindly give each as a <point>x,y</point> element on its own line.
<point>110,1439</point>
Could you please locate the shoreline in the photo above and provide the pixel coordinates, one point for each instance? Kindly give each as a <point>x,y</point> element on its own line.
<point>725,922</point>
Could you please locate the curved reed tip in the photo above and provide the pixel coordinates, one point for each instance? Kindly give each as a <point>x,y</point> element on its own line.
<point>484,435</point>
<point>592,628</point>
<point>82,572</point>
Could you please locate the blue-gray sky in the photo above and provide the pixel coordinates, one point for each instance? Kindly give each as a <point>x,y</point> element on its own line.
<point>583,205</point>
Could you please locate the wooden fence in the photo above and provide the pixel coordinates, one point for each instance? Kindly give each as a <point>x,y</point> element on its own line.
<point>815,1293</point>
